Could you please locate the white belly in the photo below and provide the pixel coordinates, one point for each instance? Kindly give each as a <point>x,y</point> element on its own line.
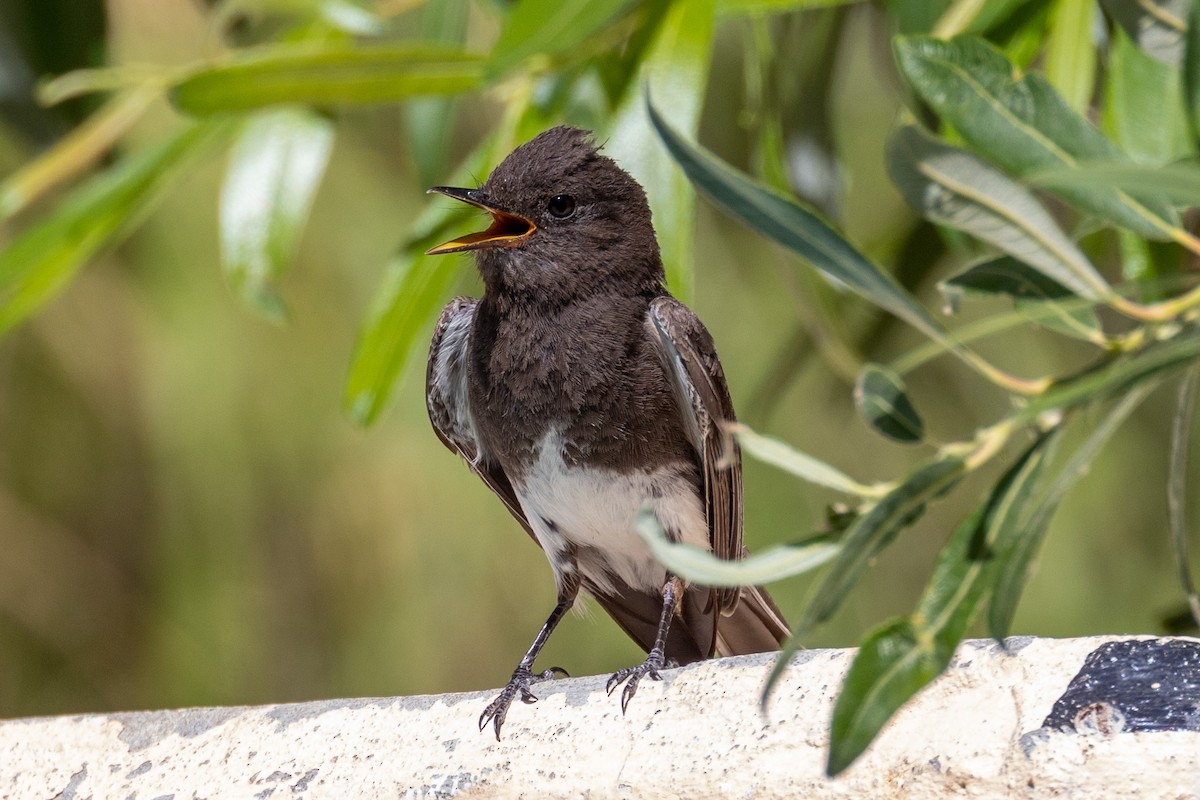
<point>592,512</point>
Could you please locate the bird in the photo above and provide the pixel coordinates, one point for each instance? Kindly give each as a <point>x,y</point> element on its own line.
<point>582,392</point>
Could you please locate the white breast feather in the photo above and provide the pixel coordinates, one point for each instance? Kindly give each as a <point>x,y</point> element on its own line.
<point>594,511</point>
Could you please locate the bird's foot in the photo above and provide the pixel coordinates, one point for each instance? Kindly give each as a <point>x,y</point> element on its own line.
<point>518,686</point>
<point>631,676</point>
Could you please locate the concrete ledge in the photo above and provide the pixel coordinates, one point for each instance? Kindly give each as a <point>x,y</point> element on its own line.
<point>977,731</point>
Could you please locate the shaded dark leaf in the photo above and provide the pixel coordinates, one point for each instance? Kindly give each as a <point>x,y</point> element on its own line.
<point>880,397</point>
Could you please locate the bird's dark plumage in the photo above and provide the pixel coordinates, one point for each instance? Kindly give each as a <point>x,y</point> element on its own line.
<point>580,392</point>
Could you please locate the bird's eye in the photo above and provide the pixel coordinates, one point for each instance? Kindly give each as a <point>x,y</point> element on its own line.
<point>561,206</point>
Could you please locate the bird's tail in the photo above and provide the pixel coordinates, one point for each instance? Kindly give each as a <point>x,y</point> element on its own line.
<point>755,625</point>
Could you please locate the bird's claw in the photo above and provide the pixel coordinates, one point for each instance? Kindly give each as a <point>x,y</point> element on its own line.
<point>631,676</point>
<point>518,685</point>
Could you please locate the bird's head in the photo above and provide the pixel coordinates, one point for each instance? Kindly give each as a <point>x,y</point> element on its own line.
<point>565,220</point>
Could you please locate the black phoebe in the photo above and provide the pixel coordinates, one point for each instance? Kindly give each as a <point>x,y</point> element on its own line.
<point>580,391</point>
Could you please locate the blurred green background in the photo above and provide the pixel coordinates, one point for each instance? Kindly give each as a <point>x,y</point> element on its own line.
<point>187,517</point>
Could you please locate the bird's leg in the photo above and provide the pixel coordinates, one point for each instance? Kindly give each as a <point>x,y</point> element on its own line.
<point>655,660</point>
<point>523,676</point>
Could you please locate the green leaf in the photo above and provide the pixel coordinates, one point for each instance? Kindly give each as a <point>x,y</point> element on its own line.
<point>899,659</point>
<point>40,262</point>
<point>1143,108</point>
<point>785,221</point>
<point>1047,302</point>
<point>549,28</point>
<point>1177,481</point>
<point>745,7</point>
<point>953,187</point>
<point>75,152</point>
<point>429,119</point>
<point>350,16</point>
<point>329,73</point>
<point>875,529</point>
<point>779,454</point>
<point>880,397</point>
<point>1022,124</point>
<point>1158,26</point>
<point>1178,183</point>
<point>677,60</point>
<point>1071,53</point>
<point>1119,377</point>
<point>274,170</point>
<point>890,667</point>
<point>1013,554</point>
<point>699,565</point>
<point>1191,72</point>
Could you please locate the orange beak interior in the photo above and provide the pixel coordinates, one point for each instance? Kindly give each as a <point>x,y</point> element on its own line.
<point>506,230</point>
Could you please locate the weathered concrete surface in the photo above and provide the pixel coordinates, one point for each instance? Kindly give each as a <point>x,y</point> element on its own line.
<point>697,734</point>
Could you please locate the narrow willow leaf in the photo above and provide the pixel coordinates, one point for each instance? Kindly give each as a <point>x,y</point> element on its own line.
<point>889,664</point>
<point>1191,72</point>
<point>274,170</point>
<point>1022,124</point>
<point>787,222</point>
<point>79,82</point>
<point>1178,183</point>
<point>331,73</point>
<point>677,60</point>
<point>1120,377</point>
<point>1047,302</point>
<point>782,455</point>
<point>875,530</point>
<point>1071,53</point>
<point>1158,26</point>
<point>427,119</point>
<point>549,28</point>
<point>350,16</point>
<point>880,397</point>
<point>1143,106</point>
<point>899,659</point>
<point>775,6</point>
<point>955,188</point>
<point>1014,554</point>
<point>75,152</point>
<point>700,566</point>
<point>416,286</point>
<point>40,262</point>
<point>1181,434</point>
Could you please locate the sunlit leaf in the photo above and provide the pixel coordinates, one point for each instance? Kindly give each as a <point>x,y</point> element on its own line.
<point>329,73</point>
<point>428,119</point>
<point>1158,26</point>
<point>1191,72</point>
<point>953,187</point>
<point>548,28</point>
<point>75,152</point>
<point>787,222</point>
<point>1143,106</point>
<point>875,530</point>
<point>676,63</point>
<point>70,85</point>
<point>880,398</point>
<point>775,6</point>
<point>1048,302</point>
<point>1013,555</point>
<point>274,170</point>
<point>1022,124</point>
<point>1179,183</point>
<point>899,659</point>
<point>1177,482</point>
<point>40,262</point>
<point>1070,52</point>
<point>779,454</point>
<point>700,566</point>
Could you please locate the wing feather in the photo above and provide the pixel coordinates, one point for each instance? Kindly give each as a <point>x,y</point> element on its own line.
<point>449,407</point>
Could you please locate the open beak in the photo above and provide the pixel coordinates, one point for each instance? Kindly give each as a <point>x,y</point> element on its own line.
<point>506,230</point>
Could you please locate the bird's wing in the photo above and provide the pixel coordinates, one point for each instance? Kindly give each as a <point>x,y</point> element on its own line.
<point>690,359</point>
<point>448,405</point>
